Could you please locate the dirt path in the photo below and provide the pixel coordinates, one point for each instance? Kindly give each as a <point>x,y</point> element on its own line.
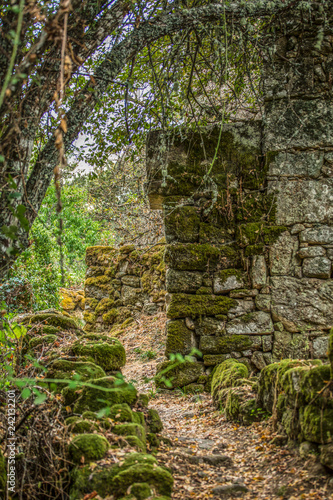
<point>210,457</point>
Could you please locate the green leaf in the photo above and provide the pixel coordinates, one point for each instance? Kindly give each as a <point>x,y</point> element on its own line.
<point>26,393</point>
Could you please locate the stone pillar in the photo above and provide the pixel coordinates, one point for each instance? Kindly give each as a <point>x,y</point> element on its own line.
<point>298,145</point>
<point>249,237</point>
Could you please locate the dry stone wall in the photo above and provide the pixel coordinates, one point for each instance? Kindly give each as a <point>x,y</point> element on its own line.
<point>249,236</point>
<point>122,284</point>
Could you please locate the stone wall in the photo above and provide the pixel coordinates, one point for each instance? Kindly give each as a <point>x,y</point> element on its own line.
<point>121,284</point>
<point>249,236</point>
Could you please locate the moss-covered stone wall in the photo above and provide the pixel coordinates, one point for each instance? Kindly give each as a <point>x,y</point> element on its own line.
<point>248,220</point>
<point>121,284</point>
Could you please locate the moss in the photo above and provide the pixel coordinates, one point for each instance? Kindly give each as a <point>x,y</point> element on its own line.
<point>130,429</point>
<point>104,305</point>
<point>139,472</point>
<point>69,396</point>
<point>126,249</point>
<point>82,427</point>
<point>63,369</point>
<point>317,424</point>
<point>153,440</point>
<point>212,234</point>
<point>154,422</point>
<point>95,399</point>
<point>250,234</point>
<point>254,250</point>
<point>89,446</point>
<point>51,319</point>
<point>101,479</point>
<point>270,380</point>
<point>143,399</point>
<point>102,282</point>
<point>305,384</point>
<point>232,405</point>
<point>141,491</point>
<point>46,339</point>
<point>204,290</point>
<point>177,374</point>
<point>3,474</point>
<point>330,351</point>
<point>110,317</point>
<point>139,418</point>
<point>184,305</point>
<point>179,338</point>
<point>229,373</point>
<point>89,317</point>
<point>223,345</point>
<point>200,257</point>
<point>107,352</point>
<point>45,330</point>
<point>182,224</point>
<point>272,233</point>
<point>99,255</point>
<point>194,388</point>
<point>121,413</point>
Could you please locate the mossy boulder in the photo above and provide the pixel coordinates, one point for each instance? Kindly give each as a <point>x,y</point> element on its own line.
<point>154,421</point>
<point>184,305</point>
<point>200,257</point>
<point>82,370</point>
<point>317,424</point>
<point>121,413</point>
<point>99,255</point>
<point>141,491</point>
<point>51,319</point>
<point>140,468</point>
<point>81,426</point>
<point>270,380</point>
<point>107,352</point>
<point>178,374</point>
<point>326,455</point>
<point>46,339</point>
<point>105,393</point>
<point>330,351</point>
<point>228,374</point>
<point>89,446</point>
<point>303,385</point>
<point>130,429</point>
<point>194,388</point>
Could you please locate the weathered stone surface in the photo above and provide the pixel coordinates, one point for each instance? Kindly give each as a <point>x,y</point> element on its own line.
<point>302,304</point>
<point>326,455</point>
<point>133,281</point>
<point>182,224</point>
<point>258,271</point>
<point>196,257</point>
<point>263,302</point>
<point>183,281</point>
<point>179,374</point>
<point>258,360</point>
<point>318,267</point>
<point>320,347</point>
<point>243,293</point>
<point>215,359</point>
<point>297,228</point>
<point>267,343</point>
<point>185,305</point>
<point>132,295</point>
<point>282,254</point>
<point>314,251</point>
<point>321,235</point>
<point>227,280</point>
<point>242,307</point>
<point>281,346</point>
<point>303,201</point>
<point>298,164</point>
<point>251,324</point>
<point>210,326</point>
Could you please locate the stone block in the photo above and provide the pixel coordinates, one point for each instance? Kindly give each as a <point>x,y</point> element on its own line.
<point>255,323</point>
<point>183,281</point>
<point>314,251</point>
<point>132,281</point>
<point>242,307</point>
<point>131,296</point>
<point>318,267</point>
<point>281,346</point>
<point>224,345</point>
<point>302,304</point>
<point>320,347</point>
<point>258,360</point>
<point>298,164</point>
<point>210,326</point>
<point>227,280</point>
<point>179,338</point>
<point>267,343</point>
<point>282,254</point>
<point>263,302</point>
<point>321,235</point>
<point>197,257</point>
<point>302,201</point>
<point>182,224</point>
<point>258,271</point>
<point>193,306</point>
<point>215,359</point>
